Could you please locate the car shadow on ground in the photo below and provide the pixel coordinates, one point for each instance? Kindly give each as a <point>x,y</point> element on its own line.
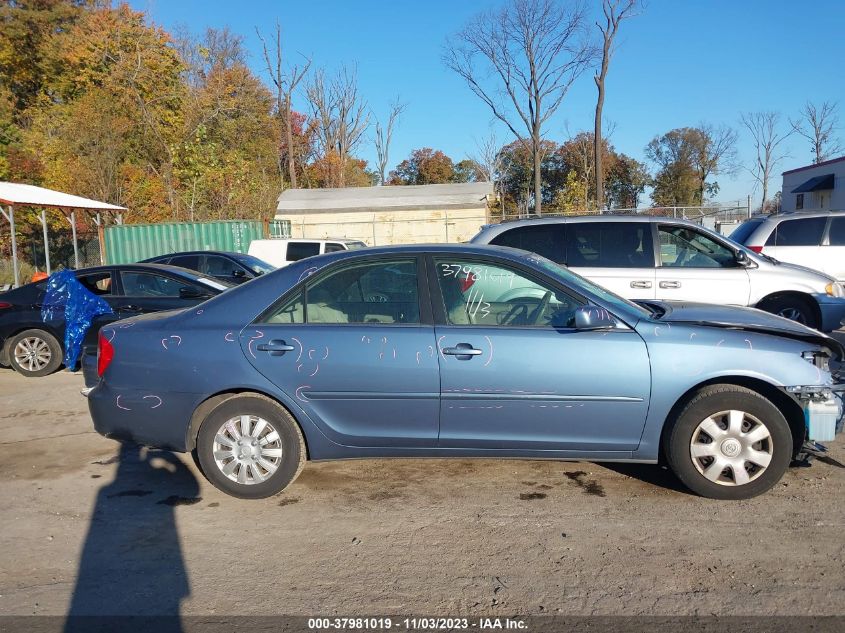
<point>652,474</point>
<point>131,562</point>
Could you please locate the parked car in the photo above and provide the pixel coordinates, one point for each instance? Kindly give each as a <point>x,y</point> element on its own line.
<point>812,239</point>
<point>647,258</point>
<point>281,252</point>
<point>233,268</point>
<point>35,348</point>
<point>392,352</point>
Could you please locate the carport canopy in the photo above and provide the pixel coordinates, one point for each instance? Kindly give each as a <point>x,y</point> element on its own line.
<point>818,183</point>
<point>13,194</point>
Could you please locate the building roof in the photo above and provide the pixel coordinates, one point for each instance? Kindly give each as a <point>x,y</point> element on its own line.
<point>19,194</point>
<point>395,198</point>
<point>822,164</point>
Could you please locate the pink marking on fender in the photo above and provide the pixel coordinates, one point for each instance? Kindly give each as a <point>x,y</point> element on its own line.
<point>227,337</point>
<point>418,358</point>
<point>440,347</point>
<point>199,311</point>
<point>258,334</point>
<point>301,347</point>
<point>155,406</point>
<point>311,354</point>
<point>720,342</point>
<point>249,348</point>
<point>750,346</point>
<point>301,396</point>
<point>120,406</point>
<point>113,334</point>
<point>299,367</point>
<point>315,371</point>
<point>327,353</point>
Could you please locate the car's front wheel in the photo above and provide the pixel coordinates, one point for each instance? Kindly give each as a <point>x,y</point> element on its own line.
<point>250,447</point>
<point>794,309</point>
<point>729,442</point>
<point>35,353</point>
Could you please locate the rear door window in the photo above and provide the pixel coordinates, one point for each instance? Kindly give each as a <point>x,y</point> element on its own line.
<point>217,266</point>
<point>837,231</point>
<point>334,247</point>
<point>98,283</point>
<point>803,232</point>
<point>192,262</point>
<point>609,245</point>
<point>547,240</point>
<point>301,250</point>
<point>142,284</point>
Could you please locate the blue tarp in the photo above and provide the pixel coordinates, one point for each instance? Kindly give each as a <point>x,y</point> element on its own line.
<point>69,300</point>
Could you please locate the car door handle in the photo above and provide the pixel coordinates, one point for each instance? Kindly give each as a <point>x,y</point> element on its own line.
<point>276,347</point>
<point>670,284</point>
<point>640,284</point>
<point>129,308</point>
<point>462,349</point>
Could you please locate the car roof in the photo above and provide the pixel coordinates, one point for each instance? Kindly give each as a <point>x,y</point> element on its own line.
<point>581,219</point>
<point>183,253</point>
<point>792,215</point>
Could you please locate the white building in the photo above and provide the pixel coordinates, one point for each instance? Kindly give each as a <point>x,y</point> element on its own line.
<point>818,187</point>
<point>388,215</point>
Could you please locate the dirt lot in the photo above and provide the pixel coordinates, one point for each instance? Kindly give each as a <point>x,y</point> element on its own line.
<point>94,528</point>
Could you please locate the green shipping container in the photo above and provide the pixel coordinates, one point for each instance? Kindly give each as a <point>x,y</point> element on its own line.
<point>129,243</point>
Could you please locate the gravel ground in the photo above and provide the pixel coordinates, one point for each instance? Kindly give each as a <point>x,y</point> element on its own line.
<point>91,527</point>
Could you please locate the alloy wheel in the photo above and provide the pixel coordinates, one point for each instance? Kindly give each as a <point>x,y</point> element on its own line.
<point>32,353</point>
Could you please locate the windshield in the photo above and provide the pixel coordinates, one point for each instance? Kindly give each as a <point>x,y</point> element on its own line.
<point>354,246</point>
<point>612,300</point>
<point>258,266</point>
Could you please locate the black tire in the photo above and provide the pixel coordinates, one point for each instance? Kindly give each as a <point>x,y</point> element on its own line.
<point>708,402</point>
<point>794,309</point>
<point>48,353</point>
<point>290,441</point>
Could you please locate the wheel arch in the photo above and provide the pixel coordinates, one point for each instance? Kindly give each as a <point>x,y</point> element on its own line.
<point>792,294</point>
<point>790,409</point>
<point>211,402</point>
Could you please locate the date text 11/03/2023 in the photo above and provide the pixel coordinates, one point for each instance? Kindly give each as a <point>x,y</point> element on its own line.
<point>417,624</point>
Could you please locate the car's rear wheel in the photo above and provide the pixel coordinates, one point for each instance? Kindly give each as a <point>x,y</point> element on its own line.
<point>250,447</point>
<point>792,308</point>
<point>35,353</point>
<point>729,442</point>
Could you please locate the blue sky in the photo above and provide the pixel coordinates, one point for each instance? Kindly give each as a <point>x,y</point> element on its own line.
<point>679,63</point>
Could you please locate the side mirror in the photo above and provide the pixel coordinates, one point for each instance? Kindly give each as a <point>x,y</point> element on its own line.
<point>238,273</point>
<point>187,292</point>
<point>593,318</point>
<point>742,258</point>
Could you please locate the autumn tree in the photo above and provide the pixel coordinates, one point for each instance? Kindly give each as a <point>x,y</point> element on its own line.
<point>341,118</point>
<point>517,174</point>
<point>764,128</point>
<point>424,166</point>
<point>615,11</point>
<point>686,159</point>
<point>818,124</point>
<point>625,182</point>
<point>534,50</point>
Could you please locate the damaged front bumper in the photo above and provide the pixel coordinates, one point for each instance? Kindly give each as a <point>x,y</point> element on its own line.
<point>824,409</point>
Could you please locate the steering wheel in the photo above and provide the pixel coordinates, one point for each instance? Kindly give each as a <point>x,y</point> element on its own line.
<point>537,313</point>
<point>517,312</point>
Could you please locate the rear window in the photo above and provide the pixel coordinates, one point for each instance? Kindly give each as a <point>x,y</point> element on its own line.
<point>301,250</point>
<point>333,247</point>
<point>742,232</point>
<point>191,262</point>
<point>609,245</point>
<point>544,239</point>
<point>803,232</point>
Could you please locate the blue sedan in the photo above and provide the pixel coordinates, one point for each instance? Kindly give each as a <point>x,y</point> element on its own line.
<point>464,351</point>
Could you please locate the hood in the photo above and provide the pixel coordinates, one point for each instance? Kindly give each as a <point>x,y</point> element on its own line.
<point>751,319</point>
<point>804,270</point>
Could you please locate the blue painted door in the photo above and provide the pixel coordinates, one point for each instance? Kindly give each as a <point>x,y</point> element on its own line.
<point>353,350</point>
<point>515,374</point>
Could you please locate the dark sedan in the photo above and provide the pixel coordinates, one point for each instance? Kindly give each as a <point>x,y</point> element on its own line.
<point>34,347</point>
<point>464,350</point>
<point>233,268</point>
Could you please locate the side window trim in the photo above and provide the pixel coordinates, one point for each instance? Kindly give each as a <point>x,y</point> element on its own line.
<point>436,295</point>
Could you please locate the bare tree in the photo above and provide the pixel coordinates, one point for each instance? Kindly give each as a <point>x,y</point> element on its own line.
<point>614,12</point>
<point>285,82</point>
<point>341,116</point>
<point>487,157</point>
<point>535,49</point>
<point>763,127</point>
<point>714,152</point>
<point>818,124</point>
<point>384,136</point>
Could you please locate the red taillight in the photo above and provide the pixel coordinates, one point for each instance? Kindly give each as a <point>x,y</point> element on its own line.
<point>4,305</point>
<point>105,354</point>
<point>756,249</point>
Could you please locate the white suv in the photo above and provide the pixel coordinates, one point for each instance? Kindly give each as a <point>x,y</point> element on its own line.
<point>812,239</point>
<point>646,257</point>
<point>283,252</point>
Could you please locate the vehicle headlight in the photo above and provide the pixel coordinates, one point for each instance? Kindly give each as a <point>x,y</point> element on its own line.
<point>819,359</point>
<point>834,289</point>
